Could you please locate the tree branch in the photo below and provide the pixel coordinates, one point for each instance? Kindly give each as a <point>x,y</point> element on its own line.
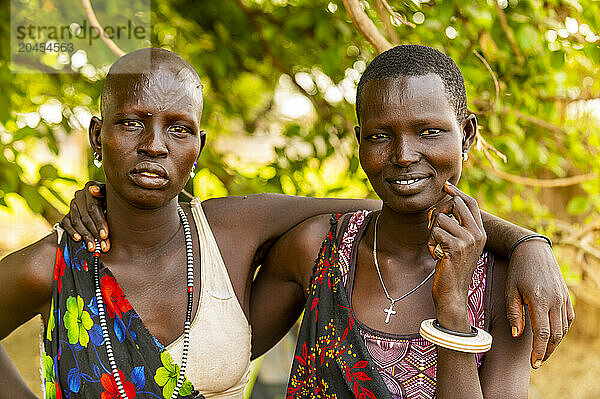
<point>485,106</point>
<point>569,100</point>
<point>587,249</point>
<point>394,14</point>
<point>508,33</point>
<point>385,19</point>
<point>496,85</point>
<point>545,183</point>
<point>365,26</point>
<point>89,11</point>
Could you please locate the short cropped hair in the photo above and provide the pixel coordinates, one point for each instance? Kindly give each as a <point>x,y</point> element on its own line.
<point>417,60</point>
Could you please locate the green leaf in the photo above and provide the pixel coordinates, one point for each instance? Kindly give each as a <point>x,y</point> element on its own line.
<point>24,132</point>
<point>48,172</point>
<point>578,205</point>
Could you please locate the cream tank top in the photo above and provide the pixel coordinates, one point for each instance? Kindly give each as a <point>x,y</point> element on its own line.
<point>219,352</point>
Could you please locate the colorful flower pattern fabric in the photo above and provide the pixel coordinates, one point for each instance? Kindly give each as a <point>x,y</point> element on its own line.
<point>75,363</point>
<point>331,360</point>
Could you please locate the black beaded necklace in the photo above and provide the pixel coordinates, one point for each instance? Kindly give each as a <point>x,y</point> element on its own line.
<point>188,316</point>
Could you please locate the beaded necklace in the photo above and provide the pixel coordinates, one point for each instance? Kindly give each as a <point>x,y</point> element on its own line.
<point>188,316</point>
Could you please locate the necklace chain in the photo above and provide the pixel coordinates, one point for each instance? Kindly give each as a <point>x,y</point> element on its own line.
<point>188,316</point>
<point>390,311</point>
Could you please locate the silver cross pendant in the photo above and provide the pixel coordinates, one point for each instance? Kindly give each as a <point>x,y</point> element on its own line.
<point>390,311</point>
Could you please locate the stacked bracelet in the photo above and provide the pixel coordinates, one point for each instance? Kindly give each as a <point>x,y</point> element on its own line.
<point>527,237</point>
<point>477,341</point>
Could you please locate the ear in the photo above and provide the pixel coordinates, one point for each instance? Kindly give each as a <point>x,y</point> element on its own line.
<point>357,133</point>
<point>94,135</point>
<point>469,129</point>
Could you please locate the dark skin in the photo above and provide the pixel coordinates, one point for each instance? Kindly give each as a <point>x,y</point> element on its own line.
<point>410,131</point>
<point>149,139</point>
<point>145,226</point>
<point>533,279</point>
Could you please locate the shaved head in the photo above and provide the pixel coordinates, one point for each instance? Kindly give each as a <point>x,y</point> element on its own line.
<point>153,72</point>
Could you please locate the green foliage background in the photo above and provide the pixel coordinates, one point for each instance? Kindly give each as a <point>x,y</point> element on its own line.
<point>247,51</point>
<point>253,55</point>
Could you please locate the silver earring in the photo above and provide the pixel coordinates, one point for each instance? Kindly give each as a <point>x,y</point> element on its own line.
<point>97,160</point>
<point>465,156</point>
<point>193,173</point>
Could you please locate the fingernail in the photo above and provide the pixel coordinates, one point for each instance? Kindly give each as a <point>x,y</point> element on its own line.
<point>515,331</point>
<point>103,246</point>
<point>537,364</point>
<point>76,237</point>
<point>429,218</point>
<point>90,246</point>
<point>447,186</point>
<point>103,233</point>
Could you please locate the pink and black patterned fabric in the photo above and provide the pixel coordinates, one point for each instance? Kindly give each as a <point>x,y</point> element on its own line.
<point>407,363</point>
<point>337,357</point>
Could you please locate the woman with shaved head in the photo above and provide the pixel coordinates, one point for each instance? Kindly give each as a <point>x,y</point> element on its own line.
<point>164,313</point>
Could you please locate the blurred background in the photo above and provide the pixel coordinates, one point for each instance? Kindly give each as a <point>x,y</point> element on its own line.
<point>279,84</point>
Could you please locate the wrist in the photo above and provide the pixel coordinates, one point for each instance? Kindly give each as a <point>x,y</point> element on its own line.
<point>454,317</point>
<point>528,240</point>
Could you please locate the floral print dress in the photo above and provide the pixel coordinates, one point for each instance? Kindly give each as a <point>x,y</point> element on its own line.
<point>75,363</point>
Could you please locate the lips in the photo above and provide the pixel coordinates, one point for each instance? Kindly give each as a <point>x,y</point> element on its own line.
<point>150,175</point>
<point>408,184</point>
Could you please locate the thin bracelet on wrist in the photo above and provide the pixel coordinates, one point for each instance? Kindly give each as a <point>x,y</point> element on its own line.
<point>527,237</point>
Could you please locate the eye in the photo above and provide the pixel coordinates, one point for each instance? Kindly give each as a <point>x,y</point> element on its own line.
<point>431,132</point>
<point>179,130</point>
<point>131,124</point>
<point>378,137</point>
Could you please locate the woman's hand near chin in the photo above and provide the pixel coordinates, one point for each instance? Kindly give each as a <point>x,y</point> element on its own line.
<point>462,239</point>
<point>85,219</point>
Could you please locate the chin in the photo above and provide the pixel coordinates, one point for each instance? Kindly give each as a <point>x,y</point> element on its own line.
<point>147,199</point>
<point>417,203</point>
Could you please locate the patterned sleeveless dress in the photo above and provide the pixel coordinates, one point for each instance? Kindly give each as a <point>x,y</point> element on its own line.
<point>407,363</point>
<point>339,357</point>
<point>75,363</point>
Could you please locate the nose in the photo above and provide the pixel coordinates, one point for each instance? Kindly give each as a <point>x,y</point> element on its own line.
<point>152,142</point>
<point>405,151</point>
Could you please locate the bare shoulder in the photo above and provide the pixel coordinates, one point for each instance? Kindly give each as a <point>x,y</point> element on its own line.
<point>299,247</point>
<point>32,264</point>
<point>26,277</point>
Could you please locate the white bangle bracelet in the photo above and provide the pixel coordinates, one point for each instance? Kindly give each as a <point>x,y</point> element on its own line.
<point>482,342</point>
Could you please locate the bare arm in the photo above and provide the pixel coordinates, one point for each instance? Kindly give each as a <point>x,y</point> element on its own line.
<point>278,292</point>
<point>533,278</point>
<point>266,217</point>
<point>26,277</point>
<point>505,369</point>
